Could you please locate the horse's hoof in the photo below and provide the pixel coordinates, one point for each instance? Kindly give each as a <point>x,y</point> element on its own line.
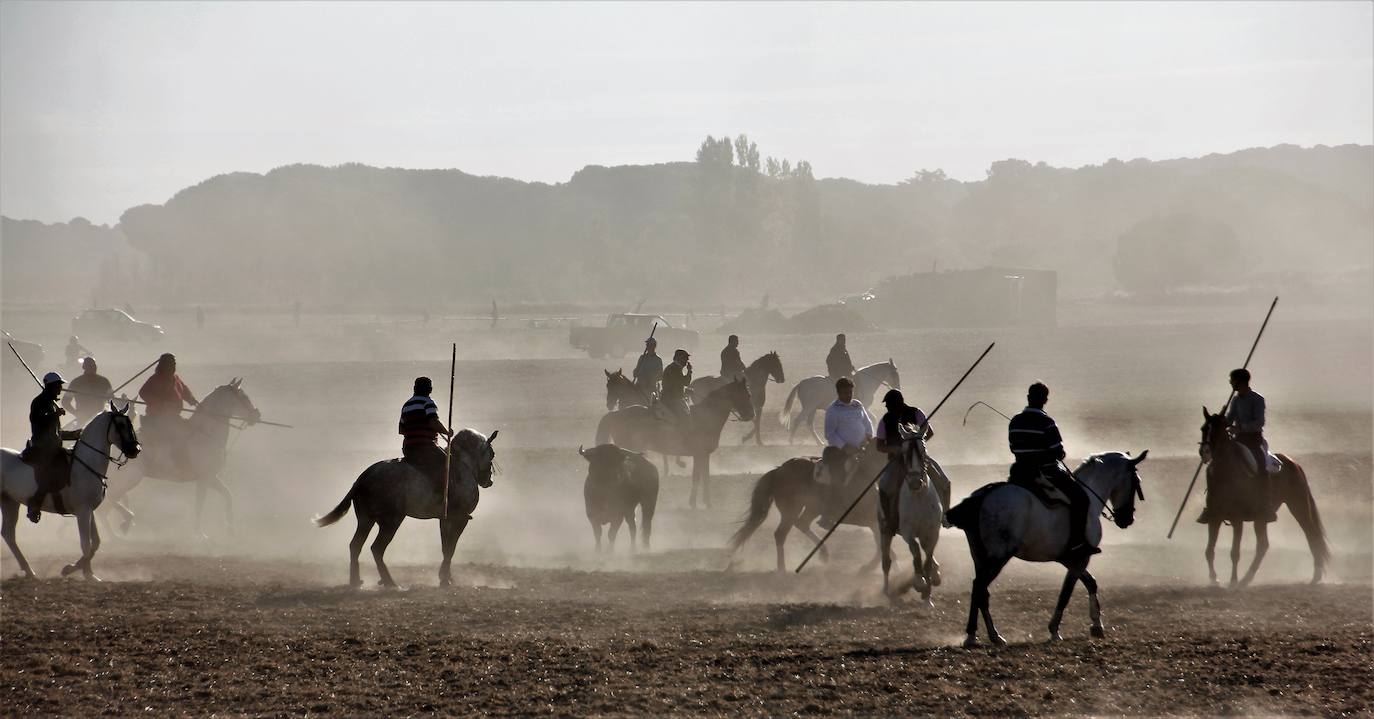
<point>970,641</point>
<point>1098,632</point>
<point>90,577</point>
<point>355,584</point>
<point>930,603</point>
<point>997,640</point>
<point>1055,636</point>
<point>67,570</point>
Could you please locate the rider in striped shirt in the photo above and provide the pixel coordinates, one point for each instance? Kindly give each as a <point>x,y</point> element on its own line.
<point>1039,450</point>
<point>421,427</point>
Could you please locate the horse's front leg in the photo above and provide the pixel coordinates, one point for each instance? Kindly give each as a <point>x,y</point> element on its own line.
<point>758,426</point>
<point>1065,592</point>
<point>448,541</point>
<point>1094,604</point>
<point>701,465</point>
<point>90,541</point>
<point>1213,529</point>
<point>9,511</point>
<point>1261,546</point>
<point>885,549</point>
<point>1237,533</point>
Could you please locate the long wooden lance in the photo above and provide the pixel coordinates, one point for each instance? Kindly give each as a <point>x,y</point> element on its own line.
<point>140,374</point>
<point>26,364</point>
<point>919,431</point>
<point>448,450</point>
<point>1224,407</point>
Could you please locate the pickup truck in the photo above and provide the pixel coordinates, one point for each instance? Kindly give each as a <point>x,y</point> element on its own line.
<point>625,333</point>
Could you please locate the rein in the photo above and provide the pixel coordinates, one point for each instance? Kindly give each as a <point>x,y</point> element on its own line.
<point>1106,509</point>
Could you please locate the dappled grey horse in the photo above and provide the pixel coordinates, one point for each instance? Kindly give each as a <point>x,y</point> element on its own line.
<point>1004,520</point>
<point>391,490</point>
<point>86,490</point>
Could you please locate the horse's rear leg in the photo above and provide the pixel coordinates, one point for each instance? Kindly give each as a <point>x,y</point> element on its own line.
<point>811,425</point>
<point>1261,547</point>
<point>611,534</point>
<point>218,485</point>
<point>1094,605</point>
<point>634,531</point>
<point>803,523</point>
<point>386,530</point>
<point>1213,529</point>
<point>780,538</point>
<point>355,547</point>
<point>986,571</point>
<point>9,519</point>
<point>596,532</point>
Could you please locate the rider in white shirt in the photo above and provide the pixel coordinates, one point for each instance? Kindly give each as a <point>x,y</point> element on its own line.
<point>848,429</point>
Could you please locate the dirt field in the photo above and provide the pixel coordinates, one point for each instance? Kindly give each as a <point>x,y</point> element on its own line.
<point>255,620</point>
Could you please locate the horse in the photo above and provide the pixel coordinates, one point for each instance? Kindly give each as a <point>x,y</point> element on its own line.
<point>817,391</point>
<point>792,486</point>
<point>197,455</point>
<point>617,481</point>
<point>757,374</point>
<point>391,490</point>
<point>1228,482</point>
<point>1004,520</point>
<point>622,392</point>
<point>90,460</point>
<point>918,519</point>
<point>637,428</point>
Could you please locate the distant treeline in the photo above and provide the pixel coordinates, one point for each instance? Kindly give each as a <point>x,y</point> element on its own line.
<point>732,227</point>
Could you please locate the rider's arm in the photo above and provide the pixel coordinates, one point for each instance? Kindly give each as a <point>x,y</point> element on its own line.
<point>832,426</point>
<point>67,401</point>
<point>438,426</point>
<point>883,445</point>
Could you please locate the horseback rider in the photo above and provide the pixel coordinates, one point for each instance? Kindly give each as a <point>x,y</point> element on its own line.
<point>75,351</point>
<point>837,363</point>
<point>166,396</point>
<point>890,442</point>
<point>421,427</point>
<point>649,369</point>
<point>1039,452</point>
<point>88,393</point>
<point>1246,417</point>
<point>676,376</point>
<point>730,363</point>
<point>51,465</point>
<point>848,430</point>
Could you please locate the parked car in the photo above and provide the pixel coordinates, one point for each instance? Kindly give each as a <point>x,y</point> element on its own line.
<point>32,352</point>
<point>114,325</point>
<point>625,333</point>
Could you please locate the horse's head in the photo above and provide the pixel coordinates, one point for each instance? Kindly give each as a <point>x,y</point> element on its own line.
<point>736,394</point>
<point>914,450</point>
<point>774,364</point>
<point>620,390</point>
<point>474,452</point>
<point>1114,475</point>
<point>893,377</point>
<point>119,430</point>
<point>1213,431</point>
<point>229,400</point>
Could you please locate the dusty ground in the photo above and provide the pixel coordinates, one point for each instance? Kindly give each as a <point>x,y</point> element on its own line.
<point>254,620</point>
<point>204,635</point>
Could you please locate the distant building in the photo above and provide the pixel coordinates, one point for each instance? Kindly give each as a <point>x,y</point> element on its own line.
<point>986,297</point>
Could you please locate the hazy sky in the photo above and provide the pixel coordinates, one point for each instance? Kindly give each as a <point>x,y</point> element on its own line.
<point>108,105</point>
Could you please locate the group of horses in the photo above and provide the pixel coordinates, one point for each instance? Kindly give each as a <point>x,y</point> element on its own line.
<point>1001,521</point>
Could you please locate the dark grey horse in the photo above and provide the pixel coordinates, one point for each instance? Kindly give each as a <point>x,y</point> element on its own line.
<point>618,480</point>
<point>391,490</point>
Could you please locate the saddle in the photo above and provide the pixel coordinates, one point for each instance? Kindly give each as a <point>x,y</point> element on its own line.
<point>1272,464</point>
<point>1040,486</point>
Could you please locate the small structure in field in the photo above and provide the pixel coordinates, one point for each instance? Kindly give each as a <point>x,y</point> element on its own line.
<point>986,297</point>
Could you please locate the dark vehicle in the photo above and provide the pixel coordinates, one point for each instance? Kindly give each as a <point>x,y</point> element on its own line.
<point>114,325</point>
<point>32,352</point>
<point>625,334</point>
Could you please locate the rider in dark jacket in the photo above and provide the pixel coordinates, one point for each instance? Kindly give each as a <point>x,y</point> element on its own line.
<point>51,467</point>
<point>1039,451</point>
<point>837,363</point>
<point>730,363</point>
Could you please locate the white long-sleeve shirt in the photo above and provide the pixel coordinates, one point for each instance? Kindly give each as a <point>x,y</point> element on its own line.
<point>847,424</point>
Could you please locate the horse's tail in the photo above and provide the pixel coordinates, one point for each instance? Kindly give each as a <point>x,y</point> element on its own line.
<point>785,416</point>
<point>603,429</point>
<point>964,515</point>
<point>1304,509</point>
<point>340,510</point>
<point>759,502</point>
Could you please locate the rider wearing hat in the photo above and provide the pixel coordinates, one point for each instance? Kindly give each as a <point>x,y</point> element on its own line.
<point>421,427</point>
<point>1039,452</point>
<point>676,376</point>
<point>51,467</point>
<point>649,369</point>
<point>889,441</point>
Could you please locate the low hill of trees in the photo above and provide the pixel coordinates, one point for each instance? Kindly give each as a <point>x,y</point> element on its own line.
<point>733,225</point>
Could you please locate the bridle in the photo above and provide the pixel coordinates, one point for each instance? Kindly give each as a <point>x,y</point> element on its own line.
<point>119,462</point>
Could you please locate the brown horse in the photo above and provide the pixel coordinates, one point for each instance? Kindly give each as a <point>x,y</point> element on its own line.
<point>793,487</point>
<point>1230,498</point>
<point>757,374</point>
<point>637,428</point>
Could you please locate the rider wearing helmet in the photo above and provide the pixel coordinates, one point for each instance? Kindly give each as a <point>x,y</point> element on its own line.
<point>51,466</point>
<point>889,441</point>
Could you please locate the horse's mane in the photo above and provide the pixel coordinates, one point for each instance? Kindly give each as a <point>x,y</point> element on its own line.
<point>763,358</point>
<point>875,364</point>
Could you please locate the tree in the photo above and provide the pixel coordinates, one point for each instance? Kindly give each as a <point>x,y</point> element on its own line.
<point>746,153</point>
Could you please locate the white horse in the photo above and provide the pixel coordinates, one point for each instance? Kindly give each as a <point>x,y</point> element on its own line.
<point>818,391</point>
<point>81,496</point>
<point>1004,520</point>
<point>918,519</point>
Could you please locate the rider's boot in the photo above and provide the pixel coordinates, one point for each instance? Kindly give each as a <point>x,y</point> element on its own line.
<point>36,506</point>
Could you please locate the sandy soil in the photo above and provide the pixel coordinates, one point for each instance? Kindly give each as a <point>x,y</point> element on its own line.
<point>253,619</point>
